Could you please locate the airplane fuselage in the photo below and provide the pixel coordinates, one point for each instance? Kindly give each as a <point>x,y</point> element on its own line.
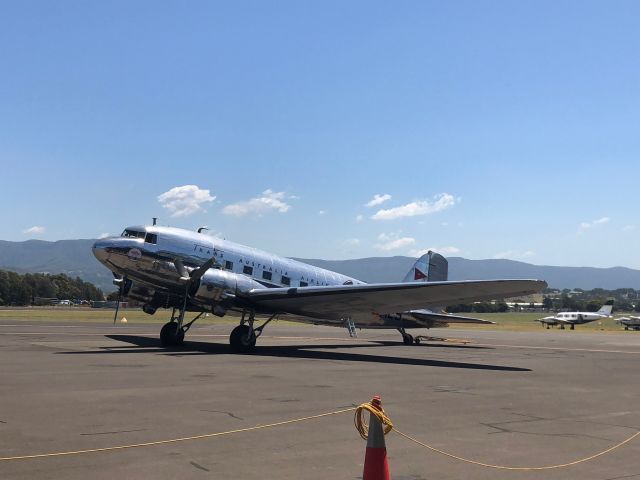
<point>147,257</point>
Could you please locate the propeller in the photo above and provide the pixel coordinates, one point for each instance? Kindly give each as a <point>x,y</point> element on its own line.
<point>120,283</point>
<point>190,277</point>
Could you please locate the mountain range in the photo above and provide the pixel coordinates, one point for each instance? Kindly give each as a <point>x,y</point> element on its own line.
<point>74,258</point>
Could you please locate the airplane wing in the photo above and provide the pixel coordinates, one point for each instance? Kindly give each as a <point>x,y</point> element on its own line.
<point>343,301</point>
<point>545,319</point>
<point>566,322</point>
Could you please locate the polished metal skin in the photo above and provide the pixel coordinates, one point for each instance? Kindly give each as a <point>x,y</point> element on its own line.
<point>157,263</point>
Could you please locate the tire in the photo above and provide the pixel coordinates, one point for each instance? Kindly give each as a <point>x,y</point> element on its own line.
<point>416,341</point>
<point>170,336</point>
<point>239,342</point>
<point>407,339</point>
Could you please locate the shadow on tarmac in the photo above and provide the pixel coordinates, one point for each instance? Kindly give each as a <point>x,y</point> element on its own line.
<point>141,344</point>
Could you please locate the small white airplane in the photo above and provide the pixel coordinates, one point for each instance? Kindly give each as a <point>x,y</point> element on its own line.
<point>166,267</point>
<point>630,322</point>
<point>576,318</point>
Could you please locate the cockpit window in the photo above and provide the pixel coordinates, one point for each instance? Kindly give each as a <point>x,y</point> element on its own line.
<point>132,234</point>
<point>151,238</point>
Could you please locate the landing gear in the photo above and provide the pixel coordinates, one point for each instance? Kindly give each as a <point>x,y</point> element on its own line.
<point>172,332</point>
<point>573,327</point>
<point>243,337</point>
<point>407,339</point>
<point>171,335</point>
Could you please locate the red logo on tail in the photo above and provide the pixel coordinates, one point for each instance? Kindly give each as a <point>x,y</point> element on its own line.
<point>418,275</point>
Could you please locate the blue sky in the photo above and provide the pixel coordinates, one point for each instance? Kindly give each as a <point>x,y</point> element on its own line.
<point>497,129</point>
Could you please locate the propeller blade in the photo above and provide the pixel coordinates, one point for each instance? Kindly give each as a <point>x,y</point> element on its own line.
<point>182,271</point>
<point>202,269</point>
<point>115,315</point>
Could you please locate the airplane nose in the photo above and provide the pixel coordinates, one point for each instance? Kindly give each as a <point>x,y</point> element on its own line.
<point>100,250</point>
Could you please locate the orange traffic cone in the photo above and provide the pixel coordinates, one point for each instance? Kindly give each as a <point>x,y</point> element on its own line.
<point>376,466</point>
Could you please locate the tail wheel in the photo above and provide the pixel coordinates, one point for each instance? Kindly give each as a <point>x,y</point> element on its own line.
<point>407,339</point>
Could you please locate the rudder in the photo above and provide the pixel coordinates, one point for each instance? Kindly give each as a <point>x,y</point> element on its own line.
<point>430,267</point>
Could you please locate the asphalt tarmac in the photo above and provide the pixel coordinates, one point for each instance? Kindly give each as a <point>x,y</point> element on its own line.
<point>509,398</point>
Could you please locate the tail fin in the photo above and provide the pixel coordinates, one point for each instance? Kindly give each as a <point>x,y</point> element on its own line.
<point>431,267</point>
<point>605,310</point>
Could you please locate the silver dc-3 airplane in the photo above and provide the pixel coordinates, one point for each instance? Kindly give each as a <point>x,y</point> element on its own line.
<point>576,318</point>
<point>166,267</point>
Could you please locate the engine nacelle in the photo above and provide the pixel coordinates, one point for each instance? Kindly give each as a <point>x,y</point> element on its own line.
<point>218,289</point>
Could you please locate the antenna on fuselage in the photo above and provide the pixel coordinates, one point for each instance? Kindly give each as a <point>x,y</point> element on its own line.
<point>155,219</point>
<point>202,228</point>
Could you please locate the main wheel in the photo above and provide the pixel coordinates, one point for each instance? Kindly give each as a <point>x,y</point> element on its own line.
<point>170,336</point>
<point>242,340</point>
<point>407,339</point>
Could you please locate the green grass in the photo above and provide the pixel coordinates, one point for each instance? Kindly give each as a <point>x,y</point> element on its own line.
<point>504,321</point>
<point>97,315</point>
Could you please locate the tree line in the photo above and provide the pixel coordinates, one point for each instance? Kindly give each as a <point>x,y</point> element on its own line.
<point>25,289</point>
<point>623,300</point>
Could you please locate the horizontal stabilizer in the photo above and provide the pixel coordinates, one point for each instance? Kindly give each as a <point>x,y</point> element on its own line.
<point>428,316</point>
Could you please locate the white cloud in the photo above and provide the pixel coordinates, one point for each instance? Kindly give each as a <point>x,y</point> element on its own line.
<point>378,200</point>
<point>322,212</point>
<point>185,200</point>
<point>269,201</point>
<point>423,207</point>
<point>449,250</point>
<point>628,228</point>
<point>35,230</point>
<point>584,226</point>
<point>359,218</point>
<point>393,242</point>
<point>515,254</point>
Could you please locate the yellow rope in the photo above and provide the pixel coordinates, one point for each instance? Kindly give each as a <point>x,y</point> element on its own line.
<point>362,428</point>
<point>503,467</point>
<point>361,425</point>
<point>176,440</point>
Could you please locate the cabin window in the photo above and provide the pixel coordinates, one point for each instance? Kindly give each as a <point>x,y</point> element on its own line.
<point>228,265</point>
<point>266,275</point>
<point>285,280</point>
<point>151,238</point>
<point>304,284</point>
<point>247,270</point>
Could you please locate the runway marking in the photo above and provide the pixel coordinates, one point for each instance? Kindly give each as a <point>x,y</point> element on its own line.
<point>333,339</point>
<point>565,349</point>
